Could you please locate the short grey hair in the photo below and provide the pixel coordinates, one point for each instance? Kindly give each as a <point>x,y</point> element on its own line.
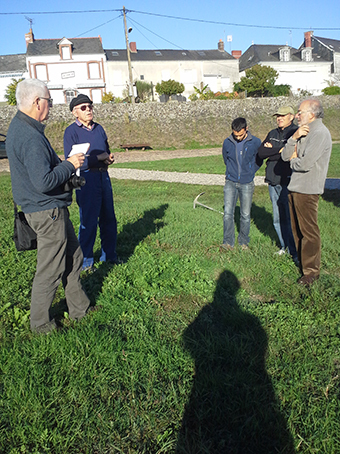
<point>316,107</point>
<point>27,90</point>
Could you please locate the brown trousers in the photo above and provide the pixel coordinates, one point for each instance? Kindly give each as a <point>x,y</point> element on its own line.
<point>304,219</point>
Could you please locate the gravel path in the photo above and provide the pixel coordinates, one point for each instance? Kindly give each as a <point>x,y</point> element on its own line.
<point>172,177</point>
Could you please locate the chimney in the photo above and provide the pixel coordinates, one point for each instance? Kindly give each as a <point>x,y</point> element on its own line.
<point>101,41</point>
<point>29,37</point>
<point>133,47</point>
<point>221,45</point>
<point>236,53</point>
<point>308,39</point>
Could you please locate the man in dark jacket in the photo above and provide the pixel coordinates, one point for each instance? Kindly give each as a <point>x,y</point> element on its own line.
<point>240,157</point>
<point>277,176</point>
<point>95,199</point>
<point>38,179</point>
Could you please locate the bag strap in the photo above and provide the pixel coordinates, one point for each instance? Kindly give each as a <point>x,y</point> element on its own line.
<point>15,209</point>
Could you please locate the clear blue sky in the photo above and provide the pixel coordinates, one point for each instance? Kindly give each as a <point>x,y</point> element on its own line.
<point>247,22</point>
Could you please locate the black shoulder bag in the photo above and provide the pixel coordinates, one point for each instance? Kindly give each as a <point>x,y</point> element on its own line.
<point>24,236</point>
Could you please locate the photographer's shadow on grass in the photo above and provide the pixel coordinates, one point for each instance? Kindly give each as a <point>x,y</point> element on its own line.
<point>232,408</point>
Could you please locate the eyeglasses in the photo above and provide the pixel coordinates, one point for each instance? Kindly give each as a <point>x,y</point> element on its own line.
<point>302,111</point>
<point>50,101</point>
<point>87,106</point>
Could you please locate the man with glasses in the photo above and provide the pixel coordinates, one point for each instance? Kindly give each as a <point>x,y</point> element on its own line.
<point>308,150</point>
<point>38,179</point>
<point>95,198</point>
<point>277,176</point>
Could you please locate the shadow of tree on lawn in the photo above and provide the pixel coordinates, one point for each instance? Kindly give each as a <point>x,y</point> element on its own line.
<point>232,408</point>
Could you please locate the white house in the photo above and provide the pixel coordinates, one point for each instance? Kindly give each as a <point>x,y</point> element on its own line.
<point>329,50</point>
<point>68,66</point>
<point>216,68</point>
<point>11,67</point>
<point>302,68</point>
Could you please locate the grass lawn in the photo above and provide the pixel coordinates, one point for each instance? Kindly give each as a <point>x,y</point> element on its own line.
<point>195,350</point>
<point>214,165</point>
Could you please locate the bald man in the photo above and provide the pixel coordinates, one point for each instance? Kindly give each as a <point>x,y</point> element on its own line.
<point>308,151</point>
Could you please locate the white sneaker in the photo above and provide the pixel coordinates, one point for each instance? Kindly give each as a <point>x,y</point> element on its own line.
<point>280,252</point>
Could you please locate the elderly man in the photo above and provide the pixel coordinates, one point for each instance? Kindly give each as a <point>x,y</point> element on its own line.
<point>277,176</point>
<point>308,150</point>
<point>38,179</point>
<point>240,157</point>
<point>95,199</point>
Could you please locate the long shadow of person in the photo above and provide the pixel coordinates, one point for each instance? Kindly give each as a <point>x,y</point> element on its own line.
<point>264,222</point>
<point>232,408</point>
<point>131,235</point>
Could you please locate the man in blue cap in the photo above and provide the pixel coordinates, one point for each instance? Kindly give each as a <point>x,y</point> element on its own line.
<point>95,199</point>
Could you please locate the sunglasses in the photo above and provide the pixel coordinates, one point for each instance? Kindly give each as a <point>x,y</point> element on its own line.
<point>87,106</point>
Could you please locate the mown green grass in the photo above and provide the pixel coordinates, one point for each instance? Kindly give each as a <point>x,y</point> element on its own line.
<point>194,350</point>
<point>214,164</point>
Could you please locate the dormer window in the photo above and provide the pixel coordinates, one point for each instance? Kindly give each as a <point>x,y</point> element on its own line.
<point>306,54</point>
<point>65,49</point>
<point>65,52</point>
<point>285,54</point>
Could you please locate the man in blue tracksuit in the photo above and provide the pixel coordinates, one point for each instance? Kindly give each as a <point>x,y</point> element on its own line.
<point>240,157</point>
<point>95,199</point>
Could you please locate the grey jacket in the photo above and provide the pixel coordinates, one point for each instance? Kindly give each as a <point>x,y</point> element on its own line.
<point>309,169</point>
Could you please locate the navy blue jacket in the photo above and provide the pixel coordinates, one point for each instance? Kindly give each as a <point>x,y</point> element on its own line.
<point>250,162</point>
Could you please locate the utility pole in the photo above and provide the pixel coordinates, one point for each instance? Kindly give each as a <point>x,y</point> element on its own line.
<point>129,59</point>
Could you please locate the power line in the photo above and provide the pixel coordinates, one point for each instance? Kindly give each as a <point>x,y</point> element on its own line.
<point>98,26</point>
<point>173,44</point>
<point>66,12</point>
<point>134,22</point>
<point>204,21</point>
<point>226,23</point>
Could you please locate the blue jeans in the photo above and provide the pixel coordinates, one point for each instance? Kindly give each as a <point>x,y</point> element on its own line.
<point>281,218</point>
<point>96,207</point>
<point>233,191</point>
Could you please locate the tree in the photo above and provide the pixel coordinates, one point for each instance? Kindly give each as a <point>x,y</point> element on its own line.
<point>10,92</point>
<point>258,81</point>
<point>169,87</point>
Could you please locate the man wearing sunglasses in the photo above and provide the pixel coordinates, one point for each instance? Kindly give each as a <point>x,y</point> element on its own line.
<point>38,179</point>
<point>95,198</point>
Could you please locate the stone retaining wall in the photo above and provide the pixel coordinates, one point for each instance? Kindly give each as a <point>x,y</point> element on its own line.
<point>175,124</point>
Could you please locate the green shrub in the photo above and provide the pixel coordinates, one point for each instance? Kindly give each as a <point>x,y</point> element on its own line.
<point>279,90</point>
<point>335,90</point>
<point>169,87</point>
<point>107,97</point>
